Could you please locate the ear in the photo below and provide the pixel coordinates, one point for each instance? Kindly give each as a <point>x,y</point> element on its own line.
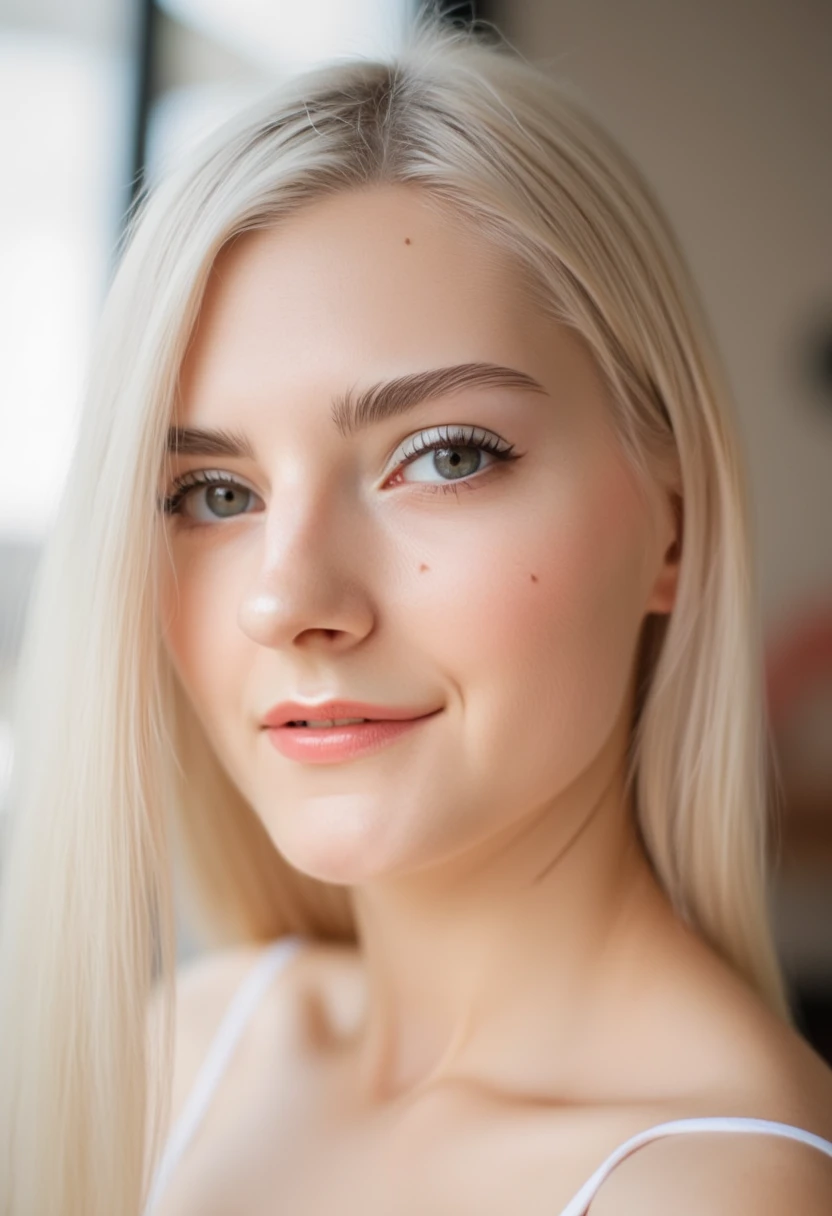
<point>663,596</point>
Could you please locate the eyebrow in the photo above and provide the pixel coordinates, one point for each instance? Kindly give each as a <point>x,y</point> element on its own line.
<point>350,414</point>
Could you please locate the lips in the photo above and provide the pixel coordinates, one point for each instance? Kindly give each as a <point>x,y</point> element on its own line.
<point>312,745</point>
<point>299,711</point>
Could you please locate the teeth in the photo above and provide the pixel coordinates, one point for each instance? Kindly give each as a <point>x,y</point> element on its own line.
<point>329,722</point>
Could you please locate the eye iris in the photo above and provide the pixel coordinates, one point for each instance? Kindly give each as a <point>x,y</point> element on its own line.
<point>223,497</point>
<point>457,464</point>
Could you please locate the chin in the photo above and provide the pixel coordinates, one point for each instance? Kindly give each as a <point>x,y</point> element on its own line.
<point>337,849</point>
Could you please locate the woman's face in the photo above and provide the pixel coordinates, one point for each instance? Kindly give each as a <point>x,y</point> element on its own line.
<point>507,594</point>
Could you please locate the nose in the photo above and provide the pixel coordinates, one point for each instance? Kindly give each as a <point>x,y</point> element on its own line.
<point>310,582</point>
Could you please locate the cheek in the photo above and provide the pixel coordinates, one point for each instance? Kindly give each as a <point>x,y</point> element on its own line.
<point>543,636</point>
<point>196,605</point>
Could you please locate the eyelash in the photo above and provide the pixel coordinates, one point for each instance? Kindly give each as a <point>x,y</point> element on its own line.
<point>448,437</point>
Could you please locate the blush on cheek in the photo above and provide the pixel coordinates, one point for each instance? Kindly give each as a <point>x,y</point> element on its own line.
<point>198,613</point>
<point>551,643</point>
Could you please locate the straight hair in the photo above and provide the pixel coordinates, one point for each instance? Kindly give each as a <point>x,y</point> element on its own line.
<point>115,787</point>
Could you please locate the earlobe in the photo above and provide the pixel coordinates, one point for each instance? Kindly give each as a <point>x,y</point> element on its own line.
<point>663,597</point>
<point>678,504</point>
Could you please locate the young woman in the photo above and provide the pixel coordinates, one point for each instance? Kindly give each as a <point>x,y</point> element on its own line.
<point>402,410</point>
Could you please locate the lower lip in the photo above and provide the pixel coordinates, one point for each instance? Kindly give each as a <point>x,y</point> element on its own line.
<point>331,744</point>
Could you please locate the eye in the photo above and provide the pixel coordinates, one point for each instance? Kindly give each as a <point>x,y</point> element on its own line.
<point>453,453</point>
<point>223,498</point>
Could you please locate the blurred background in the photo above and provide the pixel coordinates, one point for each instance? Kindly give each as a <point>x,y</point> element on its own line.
<point>726,105</point>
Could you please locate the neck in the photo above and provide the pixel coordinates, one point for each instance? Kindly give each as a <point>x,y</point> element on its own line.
<point>495,965</point>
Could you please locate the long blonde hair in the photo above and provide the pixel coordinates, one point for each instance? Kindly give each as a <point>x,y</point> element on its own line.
<point>113,775</point>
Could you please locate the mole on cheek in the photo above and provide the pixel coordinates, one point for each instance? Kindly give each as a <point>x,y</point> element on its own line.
<point>534,578</point>
<point>407,240</point>
<point>423,567</point>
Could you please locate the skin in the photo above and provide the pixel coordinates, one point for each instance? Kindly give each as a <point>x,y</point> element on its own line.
<point>516,953</point>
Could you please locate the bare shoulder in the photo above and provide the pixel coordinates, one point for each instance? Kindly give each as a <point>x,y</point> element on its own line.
<point>205,987</point>
<point>719,1174</point>
<point>736,1058</point>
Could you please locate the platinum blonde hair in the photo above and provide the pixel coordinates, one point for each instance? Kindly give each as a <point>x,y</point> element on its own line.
<point>113,777</point>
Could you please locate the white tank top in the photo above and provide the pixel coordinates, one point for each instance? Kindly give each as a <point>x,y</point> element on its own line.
<point>241,1008</point>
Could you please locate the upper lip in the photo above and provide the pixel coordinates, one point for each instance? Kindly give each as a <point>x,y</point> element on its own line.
<point>299,711</point>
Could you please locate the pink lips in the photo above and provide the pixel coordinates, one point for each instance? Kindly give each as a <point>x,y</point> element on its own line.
<point>294,711</point>
<point>333,744</point>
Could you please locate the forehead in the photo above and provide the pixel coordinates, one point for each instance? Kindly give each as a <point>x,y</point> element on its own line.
<point>364,283</point>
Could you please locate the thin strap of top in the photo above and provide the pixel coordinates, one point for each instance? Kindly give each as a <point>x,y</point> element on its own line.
<point>226,1037</point>
<point>578,1205</point>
